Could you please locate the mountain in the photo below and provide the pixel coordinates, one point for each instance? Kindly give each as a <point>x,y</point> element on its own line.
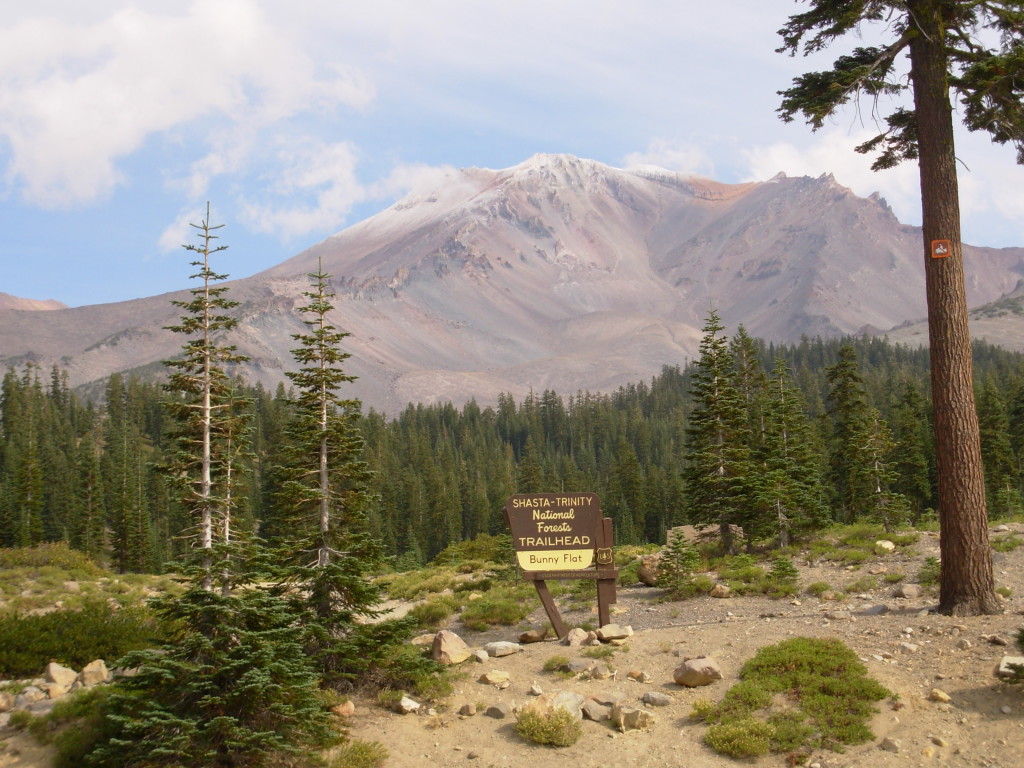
<point>14,302</point>
<point>558,273</point>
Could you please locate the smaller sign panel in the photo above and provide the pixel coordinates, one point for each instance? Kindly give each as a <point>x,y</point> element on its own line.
<point>554,531</point>
<point>941,249</point>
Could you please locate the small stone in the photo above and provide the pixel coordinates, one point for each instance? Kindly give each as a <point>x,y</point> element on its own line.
<point>838,615</point>
<point>425,639</point>
<point>535,690</point>
<point>614,632</point>
<point>630,718</point>
<point>480,656</point>
<point>1010,666</point>
<point>345,709</point>
<point>467,710</point>
<point>601,672</point>
<point>890,745</point>
<point>594,710</point>
<point>498,711</point>
<point>657,699</point>
<point>472,755</point>
<point>533,636</point>
<point>1006,709</point>
<point>94,673</point>
<point>495,677</point>
<point>885,546</point>
<point>720,591</point>
<point>997,640</point>
<point>406,706</point>
<point>908,591</point>
<point>875,610</point>
<point>963,644</point>
<point>909,647</point>
<point>575,637</point>
<point>939,741</point>
<point>939,695</point>
<point>638,676</point>
<point>696,672</point>
<point>502,648</point>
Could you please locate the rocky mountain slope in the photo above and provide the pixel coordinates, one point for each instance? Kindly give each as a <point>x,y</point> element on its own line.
<point>558,273</point>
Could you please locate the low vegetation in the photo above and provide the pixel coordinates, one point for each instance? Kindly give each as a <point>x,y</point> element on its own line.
<point>557,728</point>
<point>797,695</point>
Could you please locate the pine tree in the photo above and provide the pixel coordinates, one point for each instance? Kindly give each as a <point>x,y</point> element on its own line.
<point>199,384</point>
<point>326,495</point>
<point>717,471</point>
<point>873,473</point>
<point>789,493</point>
<point>975,50</point>
<point>848,409</point>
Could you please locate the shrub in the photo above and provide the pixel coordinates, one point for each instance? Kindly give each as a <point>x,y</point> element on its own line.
<point>485,548</point>
<point>678,563</point>
<point>744,738</point>
<point>434,612</point>
<point>57,554</point>
<point>817,588</point>
<point>930,571</point>
<point>1006,543</point>
<point>557,728</point>
<point>73,637</point>
<point>360,754</point>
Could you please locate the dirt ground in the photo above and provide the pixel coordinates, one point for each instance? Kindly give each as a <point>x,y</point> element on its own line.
<point>981,726</point>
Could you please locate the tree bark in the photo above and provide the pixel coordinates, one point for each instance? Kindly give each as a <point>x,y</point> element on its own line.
<point>966,583</point>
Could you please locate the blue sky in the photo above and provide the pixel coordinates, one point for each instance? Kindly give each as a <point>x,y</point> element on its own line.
<point>119,120</point>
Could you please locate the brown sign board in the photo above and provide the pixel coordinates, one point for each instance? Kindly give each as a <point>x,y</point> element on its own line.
<point>554,531</point>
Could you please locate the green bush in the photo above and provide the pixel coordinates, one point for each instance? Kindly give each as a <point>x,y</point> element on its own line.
<point>73,637</point>
<point>57,554</point>
<point>744,738</point>
<point>360,754</point>
<point>493,549</point>
<point>557,728</point>
<point>930,571</point>
<point>434,612</point>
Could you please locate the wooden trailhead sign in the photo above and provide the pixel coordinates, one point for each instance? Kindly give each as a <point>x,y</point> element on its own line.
<point>563,536</point>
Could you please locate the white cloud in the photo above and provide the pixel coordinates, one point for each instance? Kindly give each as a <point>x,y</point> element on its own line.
<point>682,158</point>
<point>321,174</point>
<point>75,98</point>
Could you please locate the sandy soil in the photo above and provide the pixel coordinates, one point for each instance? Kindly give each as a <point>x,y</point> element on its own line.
<point>982,725</point>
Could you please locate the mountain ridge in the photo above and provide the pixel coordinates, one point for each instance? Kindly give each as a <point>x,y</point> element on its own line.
<point>557,273</point>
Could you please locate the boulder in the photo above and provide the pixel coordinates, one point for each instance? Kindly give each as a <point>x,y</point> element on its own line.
<point>720,590</point>
<point>497,677</point>
<point>55,673</point>
<point>345,709</point>
<point>696,672</point>
<point>94,673</point>
<point>449,648</point>
<point>594,710</point>
<point>498,711</point>
<point>657,699</point>
<point>908,590</point>
<point>647,573</point>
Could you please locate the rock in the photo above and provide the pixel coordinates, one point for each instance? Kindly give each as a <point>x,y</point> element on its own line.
<point>720,591</point>
<point>657,699</point>
<point>94,673</point>
<point>425,639</point>
<point>875,610</point>
<point>908,591</point>
<point>502,648</point>
<point>345,709</point>
<point>570,701</point>
<point>55,690</point>
<point>609,698</point>
<point>838,615</point>
<point>630,718</point>
<point>884,546</point>
<point>498,711</point>
<point>613,632</point>
<point>939,695</point>
<point>996,640</point>
<point>6,701</point>
<point>601,672</point>
<point>535,690</point>
<point>533,636</point>
<point>829,595</point>
<point>578,666</point>
<point>55,673</point>
<point>448,648</point>
<point>480,655</point>
<point>593,710</point>
<point>638,676</point>
<point>963,644</point>
<point>1001,528</point>
<point>575,637</point>
<point>28,697</point>
<point>890,745</point>
<point>467,710</point>
<point>938,741</point>
<point>910,647</point>
<point>696,672</point>
<point>1010,666</point>
<point>406,706</point>
<point>647,573</point>
<point>495,677</point>
<point>1006,709</point>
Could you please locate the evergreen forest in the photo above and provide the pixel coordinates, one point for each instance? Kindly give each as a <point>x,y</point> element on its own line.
<point>819,431</point>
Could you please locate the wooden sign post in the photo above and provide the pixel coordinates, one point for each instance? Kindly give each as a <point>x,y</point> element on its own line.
<point>563,536</point>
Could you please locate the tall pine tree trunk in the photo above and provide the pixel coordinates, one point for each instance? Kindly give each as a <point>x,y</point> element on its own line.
<point>966,584</point>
